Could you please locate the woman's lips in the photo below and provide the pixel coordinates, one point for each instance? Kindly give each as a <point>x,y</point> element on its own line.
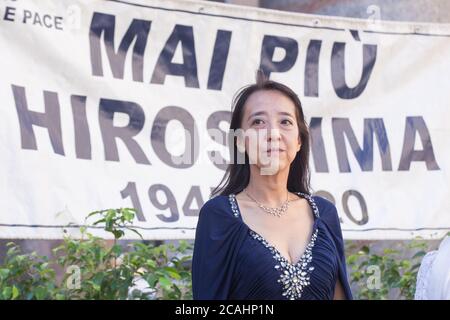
<point>274,150</point>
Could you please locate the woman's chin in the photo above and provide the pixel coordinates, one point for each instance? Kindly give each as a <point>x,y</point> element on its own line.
<point>271,166</point>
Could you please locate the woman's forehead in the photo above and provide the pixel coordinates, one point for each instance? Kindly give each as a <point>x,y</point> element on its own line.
<point>269,102</point>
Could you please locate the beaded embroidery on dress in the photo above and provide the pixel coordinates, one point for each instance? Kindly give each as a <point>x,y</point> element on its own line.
<point>294,277</point>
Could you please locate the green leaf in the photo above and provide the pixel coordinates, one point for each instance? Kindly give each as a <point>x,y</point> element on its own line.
<point>98,221</point>
<point>151,280</point>
<point>137,232</point>
<point>365,249</point>
<point>59,296</point>
<point>174,275</point>
<point>128,215</point>
<point>352,259</point>
<point>164,282</point>
<point>117,233</point>
<point>40,293</point>
<point>7,291</point>
<point>151,263</point>
<point>419,254</point>
<point>4,273</point>
<point>15,292</point>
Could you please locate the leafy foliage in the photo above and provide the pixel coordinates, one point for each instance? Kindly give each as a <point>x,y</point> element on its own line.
<point>98,269</point>
<point>388,275</point>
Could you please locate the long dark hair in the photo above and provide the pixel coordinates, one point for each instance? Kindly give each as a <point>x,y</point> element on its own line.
<point>237,175</point>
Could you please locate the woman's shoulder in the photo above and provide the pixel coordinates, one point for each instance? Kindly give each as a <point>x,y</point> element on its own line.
<point>218,206</point>
<point>217,220</point>
<point>325,206</point>
<point>327,212</point>
<point>218,201</point>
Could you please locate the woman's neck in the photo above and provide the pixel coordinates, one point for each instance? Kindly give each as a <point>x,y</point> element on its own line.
<point>271,190</point>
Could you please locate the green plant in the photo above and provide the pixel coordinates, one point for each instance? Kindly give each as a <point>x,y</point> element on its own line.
<point>100,269</point>
<point>386,275</point>
<point>26,276</point>
<point>168,275</point>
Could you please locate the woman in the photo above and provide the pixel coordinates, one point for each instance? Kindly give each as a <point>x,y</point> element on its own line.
<point>433,278</point>
<point>263,236</point>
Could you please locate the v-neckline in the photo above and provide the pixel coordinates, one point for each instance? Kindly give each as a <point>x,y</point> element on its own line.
<point>269,246</point>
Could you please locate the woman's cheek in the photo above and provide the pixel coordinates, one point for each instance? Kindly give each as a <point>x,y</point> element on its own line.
<point>291,155</point>
<point>253,150</point>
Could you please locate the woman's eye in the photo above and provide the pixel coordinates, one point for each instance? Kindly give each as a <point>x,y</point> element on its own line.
<point>256,121</point>
<point>286,121</point>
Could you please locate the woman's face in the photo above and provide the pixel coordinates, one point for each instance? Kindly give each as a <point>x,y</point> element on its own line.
<point>270,126</point>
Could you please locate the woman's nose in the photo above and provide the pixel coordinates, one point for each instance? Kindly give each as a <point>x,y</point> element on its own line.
<point>273,132</point>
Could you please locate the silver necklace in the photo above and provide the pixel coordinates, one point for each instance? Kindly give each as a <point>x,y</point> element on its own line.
<point>278,211</point>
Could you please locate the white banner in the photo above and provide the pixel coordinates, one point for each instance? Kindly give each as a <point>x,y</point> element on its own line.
<point>96,97</point>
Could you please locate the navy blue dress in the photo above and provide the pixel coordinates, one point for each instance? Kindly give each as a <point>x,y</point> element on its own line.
<point>232,261</point>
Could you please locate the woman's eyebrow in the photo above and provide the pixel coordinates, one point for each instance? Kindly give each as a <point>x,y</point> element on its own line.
<point>286,114</point>
<point>256,114</point>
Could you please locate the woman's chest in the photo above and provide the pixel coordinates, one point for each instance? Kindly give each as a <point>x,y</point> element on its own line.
<point>289,235</point>
<point>269,274</point>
